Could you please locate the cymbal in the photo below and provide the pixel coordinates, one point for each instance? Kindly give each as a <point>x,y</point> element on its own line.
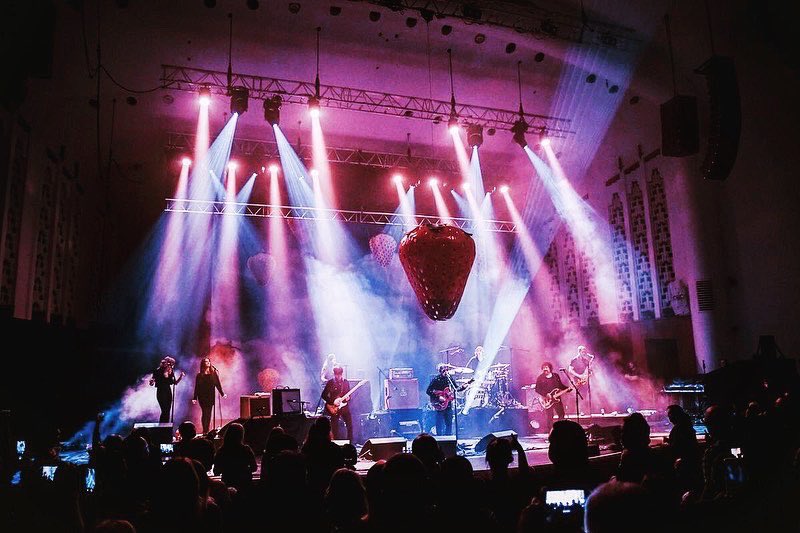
<point>461,370</point>
<point>499,366</point>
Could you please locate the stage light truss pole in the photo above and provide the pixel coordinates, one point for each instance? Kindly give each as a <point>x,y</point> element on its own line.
<point>297,92</point>
<point>215,207</point>
<point>526,18</point>
<point>268,150</point>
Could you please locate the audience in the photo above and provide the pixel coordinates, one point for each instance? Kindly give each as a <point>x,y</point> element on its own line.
<point>744,476</point>
<point>235,461</point>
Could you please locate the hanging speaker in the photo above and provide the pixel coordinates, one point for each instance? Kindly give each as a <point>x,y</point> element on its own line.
<point>725,124</point>
<point>679,131</point>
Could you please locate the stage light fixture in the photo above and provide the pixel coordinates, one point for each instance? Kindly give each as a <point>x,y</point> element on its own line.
<point>204,95</point>
<point>273,168</point>
<point>294,8</point>
<point>313,106</point>
<point>465,186</point>
<point>447,29</point>
<point>239,99</point>
<point>519,129</point>
<point>232,165</point>
<point>252,4</point>
<point>510,48</point>
<point>411,22</point>
<point>398,179</point>
<point>634,100</point>
<point>504,189</point>
<point>613,89</point>
<point>539,57</point>
<point>433,182</point>
<point>480,38</point>
<point>335,11</point>
<point>314,173</point>
<point>452,124</point>
<point>490,132</point>
<point>272,110</point>
<point>591,78</point>
<point>545,142</point>
<point>374,16</point>
<point>426,14</point>
<point>186,161</point>
<point>210,3</point>
<point>474,135</point>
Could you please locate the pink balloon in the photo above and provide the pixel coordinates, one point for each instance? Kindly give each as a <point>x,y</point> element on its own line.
<point>261,266</point>
<point>383,247</point>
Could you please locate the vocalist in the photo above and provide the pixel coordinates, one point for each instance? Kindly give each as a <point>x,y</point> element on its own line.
<point>163,379</point>
<point>204,384</point>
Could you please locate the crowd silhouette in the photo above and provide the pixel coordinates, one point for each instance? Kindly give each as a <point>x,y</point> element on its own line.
<point>743,476</point>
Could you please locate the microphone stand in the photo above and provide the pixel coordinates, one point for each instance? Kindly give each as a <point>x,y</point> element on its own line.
<point>454,407</point>
<point>578,396</point>
<point>384,399</point>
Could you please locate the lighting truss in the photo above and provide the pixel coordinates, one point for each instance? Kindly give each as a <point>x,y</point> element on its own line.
<point>297,92</point>
<point>267,150</point>
<point>216,207</point>
<point>526,18</point>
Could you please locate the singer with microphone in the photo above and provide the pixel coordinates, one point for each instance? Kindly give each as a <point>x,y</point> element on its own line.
<point>204,384</point>
<point>163,379</point>
<point>580,370</point>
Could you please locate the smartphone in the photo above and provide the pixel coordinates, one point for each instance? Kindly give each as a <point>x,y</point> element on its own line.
<point>167,448</point>
<point>736,452</point>
<point>565,501</point>
<point>90,480</point>
<point>49,472</point>
<point>20,448</point>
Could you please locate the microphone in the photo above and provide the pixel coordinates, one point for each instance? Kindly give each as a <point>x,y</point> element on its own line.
<point>563,369</point>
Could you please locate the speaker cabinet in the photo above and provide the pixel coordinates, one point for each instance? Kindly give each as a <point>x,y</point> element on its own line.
<point>286,401</point>
<point>159,433</point>
<point>361,401</point>
<point>401,393</point>
<point>255,405</point>
<point>448,445</point>
<point>480,447</point>
<point>679,131</point>
<point>725,124</point>
<point>377,449</point>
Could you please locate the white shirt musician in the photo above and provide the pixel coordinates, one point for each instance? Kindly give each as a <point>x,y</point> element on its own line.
<point>326,374</point>
<point>476,359</point>
<point>580,367</point>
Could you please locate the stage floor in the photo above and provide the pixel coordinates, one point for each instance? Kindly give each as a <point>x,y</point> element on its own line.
<point>535,447</point>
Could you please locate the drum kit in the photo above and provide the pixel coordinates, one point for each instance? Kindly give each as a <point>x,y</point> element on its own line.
<point>493,391</point>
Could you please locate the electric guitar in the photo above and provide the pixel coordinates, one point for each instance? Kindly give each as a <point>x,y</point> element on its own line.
<point>553,396</point>
<point>440,399</point>
<point>341,402</point>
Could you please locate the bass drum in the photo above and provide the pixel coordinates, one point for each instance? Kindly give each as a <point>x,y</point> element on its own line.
<point>481,399</point>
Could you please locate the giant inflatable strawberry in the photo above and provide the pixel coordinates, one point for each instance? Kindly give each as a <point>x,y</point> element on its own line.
<point>437,260</point>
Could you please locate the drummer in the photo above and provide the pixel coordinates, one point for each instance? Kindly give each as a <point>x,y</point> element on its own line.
<point>476,359</point>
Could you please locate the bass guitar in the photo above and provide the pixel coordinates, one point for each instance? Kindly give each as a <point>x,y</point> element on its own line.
<point>440,399</point>
<point>553,396</point>
<point>341,402</point>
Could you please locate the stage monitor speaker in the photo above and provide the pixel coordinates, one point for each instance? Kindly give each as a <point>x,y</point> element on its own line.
<point>377,449</point>
<point>159,433</point>
<point>448,445</point>
<point>679,132</point>
<point>255,405</point>
<point>401,393</point>
<point>484,442</point>
<point>286,401</point>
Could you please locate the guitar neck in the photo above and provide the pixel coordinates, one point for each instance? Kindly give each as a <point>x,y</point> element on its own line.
<point>351,391</point>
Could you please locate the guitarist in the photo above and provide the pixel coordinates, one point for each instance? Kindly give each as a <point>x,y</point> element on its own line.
<point>437,392</point>
<point>334,389</point>
<point>546,383</point>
